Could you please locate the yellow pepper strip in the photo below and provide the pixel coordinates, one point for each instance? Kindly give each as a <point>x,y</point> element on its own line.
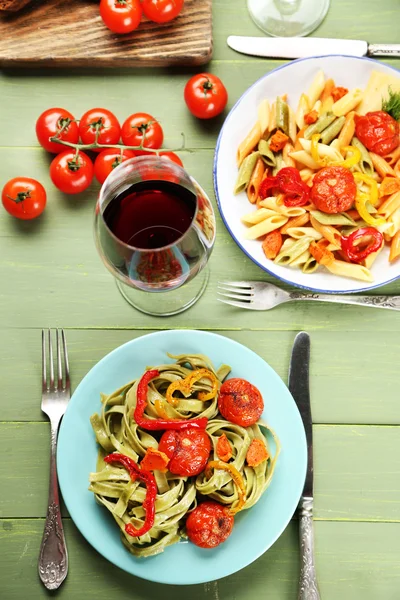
<point>185,385</point>
<point>160,410</point>
<point>361,200</point>
<point>353,160</point>
<point>373,186</point>
<point>314,149</point>
<point>237,478</point>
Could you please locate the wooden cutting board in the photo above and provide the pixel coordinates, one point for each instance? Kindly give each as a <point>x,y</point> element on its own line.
<point>70,33</point>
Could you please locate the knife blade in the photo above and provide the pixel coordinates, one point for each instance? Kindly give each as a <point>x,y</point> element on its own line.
<point>302,47</point>
<point>300,390</point>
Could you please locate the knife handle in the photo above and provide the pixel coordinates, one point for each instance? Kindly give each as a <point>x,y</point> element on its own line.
<point>384,50</point>
<point>308,588</point>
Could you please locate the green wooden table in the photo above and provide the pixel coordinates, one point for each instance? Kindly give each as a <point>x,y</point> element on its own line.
<point>51,276</point>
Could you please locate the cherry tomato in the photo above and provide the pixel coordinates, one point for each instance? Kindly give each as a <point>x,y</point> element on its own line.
<point>142,127</point>
<point>378,131</point>
<point>50,122</point>
<point>71,174</point>
<point>240,402</point>
<point>24,198</point>
<point>172,156</point>
<point>99,120</point>
<point>107,160</point>
<point>188,450</point>
<point>162,11</point>
<point>334,190</point>
<point>205,95</point>
<point>121,16</point>
<point>209,524</point>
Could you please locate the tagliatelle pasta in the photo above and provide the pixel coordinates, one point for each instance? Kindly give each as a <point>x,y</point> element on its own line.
<point>335,158</point>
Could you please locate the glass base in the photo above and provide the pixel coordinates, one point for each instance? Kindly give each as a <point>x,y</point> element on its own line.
<point>288,18</point>
<point>165,304</point>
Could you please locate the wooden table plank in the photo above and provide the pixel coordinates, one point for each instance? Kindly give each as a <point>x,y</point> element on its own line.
<point>355,561</point>
<point>358,395</point>
<point>356,471</point>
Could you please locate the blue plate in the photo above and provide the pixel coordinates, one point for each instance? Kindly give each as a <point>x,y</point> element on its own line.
<point>255,529</point>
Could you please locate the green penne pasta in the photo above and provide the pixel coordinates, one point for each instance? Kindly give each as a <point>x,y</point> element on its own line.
<point>280,163</point>
<point>282,115</point>
<point>330,132</point>
<point>332,219</point>
<point>365,163</point>
<point>322,123</point>
<point>266,153</point>
<point>286,256</point>
<point>117,431</point>
<point>310,266</point>
<point>245,171</point>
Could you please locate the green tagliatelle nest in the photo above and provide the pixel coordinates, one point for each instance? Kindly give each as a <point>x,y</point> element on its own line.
<point>116,431</point>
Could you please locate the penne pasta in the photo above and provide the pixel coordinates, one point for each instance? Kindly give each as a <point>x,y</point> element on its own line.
<point>288,254</point>
<point>328,89</point>
<point>381,166</point>
<point>348,129</point>
<point>299,232</point>
<point>327,231</point>
<point>287,211</point>
<point>317,107</point>
<point>371,258</point>
<point>391,204</point>
<point>303,108</point>
<point>310,266</point>
<point>333,219</point>
<point>288,148</point>
<point>316,87</point>
<point>366,164</point>
<point>257,216</point>
<point>282,115</point>
<point>327,105</point>
<point>304,158</point>
<point>292,129</point>
<point>396,168</point>
<point>245,171</point>
<point>347,103</point>
<point>248,144</point>
<point>266,226</point>
<point>393,157</point>
<point>345,269</point>
<point>272,118</point>
<point>264,114</point>
<point>323,122</point>
<point>300,260</point>
<point>394,222</point>
<point>395,248</point>
<point>295,222</point>
<point>332,130</point>
<point>323,150</point>
<point>255,180</point>
<point>266,153</point>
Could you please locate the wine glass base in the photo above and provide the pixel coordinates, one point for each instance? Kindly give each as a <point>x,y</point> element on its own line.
<point>165,304</point>
<point>288,18</point>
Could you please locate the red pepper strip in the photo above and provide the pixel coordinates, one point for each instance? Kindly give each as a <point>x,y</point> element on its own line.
<point>351,250</point>
<point>267,184</point>
<point>159,424</point>
<point>289,183</point>
<point>151,491</point>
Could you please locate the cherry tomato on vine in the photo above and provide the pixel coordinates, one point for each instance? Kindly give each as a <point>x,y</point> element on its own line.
<point>70,173</point>
<point>142,127</point>
<point>209,524</point>
<point>240,402</point>
<point>99,120</point>
<point>24,198</point>
<point>108,160</point>
<point>172,156</point>
<point>52,121</point>
<point>162,11</point>
<point>121,16</point>
<point>205,95</point>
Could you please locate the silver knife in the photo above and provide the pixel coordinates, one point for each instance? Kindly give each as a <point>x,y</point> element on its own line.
<point>301,47</point>
<point>299,388</point>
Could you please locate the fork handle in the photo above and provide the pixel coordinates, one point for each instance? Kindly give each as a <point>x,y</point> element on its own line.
<point>53,557</point>
<point>389,302</point>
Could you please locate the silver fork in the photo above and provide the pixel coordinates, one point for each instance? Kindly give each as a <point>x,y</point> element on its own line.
<point>259,295</point>
<point>53,557</point>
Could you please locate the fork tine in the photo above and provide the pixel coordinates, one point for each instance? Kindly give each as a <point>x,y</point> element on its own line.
<point>243,299</point>
<point>66,362</point>
<point>44,373</point>
<point>51,366</point>
<point>237,284</point>
<point>233,303</point>
<point>59,365</point>
<point>230,288</point>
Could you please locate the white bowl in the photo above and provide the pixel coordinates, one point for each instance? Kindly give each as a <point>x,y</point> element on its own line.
<point>293,79</point>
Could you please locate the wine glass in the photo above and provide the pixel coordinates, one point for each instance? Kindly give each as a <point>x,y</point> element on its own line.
<point>155,230</point>
<point>288,18</point>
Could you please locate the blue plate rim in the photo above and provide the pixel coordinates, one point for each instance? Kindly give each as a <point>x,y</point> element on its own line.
<point>91,538</point>
<point>216,153</point>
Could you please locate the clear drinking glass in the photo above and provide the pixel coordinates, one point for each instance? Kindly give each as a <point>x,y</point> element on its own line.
<point>155,230</point>
<point>288,18</point>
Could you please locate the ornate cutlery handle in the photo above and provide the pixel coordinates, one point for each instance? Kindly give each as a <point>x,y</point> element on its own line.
<point>308,588</point>
<point>53,557</point>
<point>390,302</point>
<point>384,50</point>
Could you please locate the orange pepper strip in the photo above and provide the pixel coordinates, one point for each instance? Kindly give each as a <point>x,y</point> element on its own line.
<point>154,460</point>
<point>186,384</point>
<point>237,478</point>
<point>224,448</point>
<point>257,453</point>
<point>160,409</point>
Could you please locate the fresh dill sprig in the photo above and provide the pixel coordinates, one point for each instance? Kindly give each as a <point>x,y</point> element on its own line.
<point>392,104</point>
